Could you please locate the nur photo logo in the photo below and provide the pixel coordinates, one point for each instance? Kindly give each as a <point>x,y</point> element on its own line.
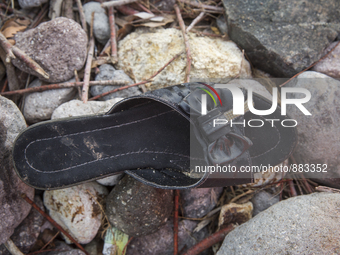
<point>240,105</point>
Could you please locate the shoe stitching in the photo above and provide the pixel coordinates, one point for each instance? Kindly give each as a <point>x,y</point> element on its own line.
<point>99,129</point>
<point>114,156</point>
<point>91,131</point>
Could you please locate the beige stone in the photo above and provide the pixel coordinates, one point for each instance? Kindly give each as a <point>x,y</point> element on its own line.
<point>76,210</point>
<point>142,53</point>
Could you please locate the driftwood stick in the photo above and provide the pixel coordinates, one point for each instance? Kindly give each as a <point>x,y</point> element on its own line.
<point>87,73</point>
<point>76,77</point>
<point>176,202</point>
<point>7,47</point>
<point>327,189</point>
<point>68,9</point>
<point>12,78</point>
<point>13,51</point>
<point>209,241</point>
<point>7,8</point>
<point>29,62</point>
<point>55,8</point>
<point>107,45</point>
<point>208,34</point>
<point>117,3</point>
<point>81,15</point>
<point>186,41</point>
<point>195,21</point>
<point>12,248</point>
<point>61,86</point>
<point>144,8</point>
<point>113,41</point>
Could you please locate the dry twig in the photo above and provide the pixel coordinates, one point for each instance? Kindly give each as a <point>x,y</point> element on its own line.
<point>7,47</point>
<point>12,78</point>
<point>292,188</point>
<point>76,77</point>
<point>55,8</point>
<point>13,52</point>
<point>81,15</point>
<point>125,247</point>
<point>53,222</point>
<point>68,9</point>
<point>209,241</point>
<point>138,83</point>
<point>126,10</point>
<point>117,3</point>
<point>208,34</point>
<point>87,71</point>
<point>195,21</point>
<point>29,62</point>
<point>143,7</point>
<point>176,222</point>
<point>186,41</point>
<point>113,41</point>
<point>12,248</point>
<point>50,241</point>
<point>5,85</point>
<point>327,189</point>
<point>306,184</point>
<point>7,8</point>
<point>39,17</point>
<point>61,86</point>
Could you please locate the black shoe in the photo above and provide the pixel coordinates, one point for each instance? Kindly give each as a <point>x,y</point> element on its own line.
<point>160,138</point>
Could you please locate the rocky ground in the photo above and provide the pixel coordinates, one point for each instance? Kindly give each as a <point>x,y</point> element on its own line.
<point>129,45</point>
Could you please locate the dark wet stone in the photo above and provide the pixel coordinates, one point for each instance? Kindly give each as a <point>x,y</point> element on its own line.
<point>137,209</point>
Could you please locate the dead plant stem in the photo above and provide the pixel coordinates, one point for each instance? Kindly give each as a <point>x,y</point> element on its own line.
<point>186,41</point>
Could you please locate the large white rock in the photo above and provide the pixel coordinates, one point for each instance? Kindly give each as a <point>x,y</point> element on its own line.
<point>76,210</point>
<point>142,53</point>
<point>319,133</point>
<point>306,224</point>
